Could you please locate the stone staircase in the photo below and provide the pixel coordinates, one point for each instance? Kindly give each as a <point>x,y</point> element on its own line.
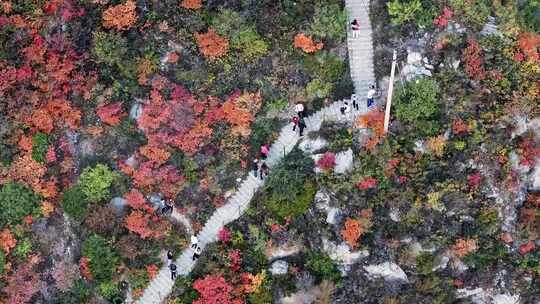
<point>361,48</point>
<point>361,62</point>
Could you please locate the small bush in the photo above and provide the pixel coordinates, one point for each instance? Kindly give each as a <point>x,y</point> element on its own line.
<point>95,183</point>
<point>329,22</point>
<point>318,88</point>
<point>325,66</point>
<point>402,11</point>
<point>226,22</point>
<point>250,43</point>
<point>108,289</point>
<point>74,202</point>
<point>290,188</point>
<point>109,48</point>
<point>416,100</point>
<point>79,293</point>
<point>102,259</point>
<point>322,266</point>
<point>16,202</point>
<point>40,145</point>
<point>529,13</point>
<point>2,262</point>
<point>22,249</point>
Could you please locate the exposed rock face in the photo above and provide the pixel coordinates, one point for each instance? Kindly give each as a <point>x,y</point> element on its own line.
<point>389,271</point>
<point>481,296</point>
<point>135,111</point>
<point>311,145</point>
<point>284,250</point>
<point>279,267</point>
<point>334,215</point>
<point>322,202</point>
<point>304,296</point>
<point>344,161</point>
<point>118,203</point>
<point>343,255</point>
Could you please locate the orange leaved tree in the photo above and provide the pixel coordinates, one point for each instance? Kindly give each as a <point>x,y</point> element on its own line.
<point>211,44</point>
<point>373,120</point>
<point>354,229</point>
<point>120,17</point>
<point>191,4</point>
<point>306,43</point>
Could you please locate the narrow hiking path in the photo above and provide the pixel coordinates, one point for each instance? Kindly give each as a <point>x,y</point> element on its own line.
<point>361,63</point>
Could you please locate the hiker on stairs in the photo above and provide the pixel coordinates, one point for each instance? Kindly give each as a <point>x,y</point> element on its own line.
<point>299,109</point>
<point>301,126</point>
<point>355,101</point>
<point>167,209</point>
<point>264,170</point>
<point>255,166</point>
<point>370,94</point>
<point>197,253</point>
<point>295,121</point>
<point>264,151</point>
<point>345,108</point>
<point>355,26</point>
<point>172,268</point>
<point>194,241</point>
<point>169,257</point>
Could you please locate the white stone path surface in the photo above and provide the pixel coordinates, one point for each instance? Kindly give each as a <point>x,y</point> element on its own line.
<point>361,54</point>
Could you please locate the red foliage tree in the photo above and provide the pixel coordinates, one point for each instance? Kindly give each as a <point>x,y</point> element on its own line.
<point>459,127</point>
<point>529,43</point>
<point>474,61</point>
<point>527,247</point>
<point>235,257</point>
<point>211,44</point>
<point>7,241</point>
<point>240,109</point>
<point>442,20</point>
<point>213,289</point>
<point>191,4</point>
<point>306,43</point>
<point>474,179</point>
<point>111,113</point>
<point>530,152</point>
<point>136,200</point>
<point>367,182</point>
<point>22,285</point>
<point>375,121</point>
<point>327,161</point>
<point>224,235</point>
<point>137,222</point>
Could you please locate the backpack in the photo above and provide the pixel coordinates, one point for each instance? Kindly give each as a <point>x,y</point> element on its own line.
<point>172,267</point>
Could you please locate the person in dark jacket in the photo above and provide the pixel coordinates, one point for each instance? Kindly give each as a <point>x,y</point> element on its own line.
<point>197,253</point>
<point>255,166</point>
<point>172,268</point>
<point>264,170</point>
<point>301,125</point>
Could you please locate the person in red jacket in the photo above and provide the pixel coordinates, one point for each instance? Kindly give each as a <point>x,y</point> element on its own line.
<point>295,121</point>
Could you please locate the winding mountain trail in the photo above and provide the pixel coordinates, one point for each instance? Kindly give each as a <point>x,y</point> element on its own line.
<point>361,62</point>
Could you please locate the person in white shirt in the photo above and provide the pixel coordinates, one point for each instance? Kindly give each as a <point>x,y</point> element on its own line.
<point>370,95</point>
<point>354,99</point>
<point>194,241</point>
<point>299,108</point>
